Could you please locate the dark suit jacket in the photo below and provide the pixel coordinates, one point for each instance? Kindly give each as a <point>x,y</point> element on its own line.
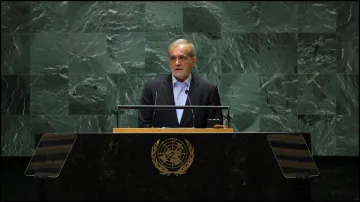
<point>201,92</point>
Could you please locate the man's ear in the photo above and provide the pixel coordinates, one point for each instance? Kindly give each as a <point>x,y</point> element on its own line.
<point>194,59</point>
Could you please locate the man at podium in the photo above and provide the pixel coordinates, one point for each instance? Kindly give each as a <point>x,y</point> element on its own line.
<point>181,87</point>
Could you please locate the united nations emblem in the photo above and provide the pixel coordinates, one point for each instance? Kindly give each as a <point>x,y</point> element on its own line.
<point>172,156</point>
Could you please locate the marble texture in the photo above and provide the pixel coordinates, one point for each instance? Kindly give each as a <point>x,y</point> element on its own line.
<point>317,53</point>
<point>88,54</point>
<point>19,139</point>
<point>15,53</point>
<point>240,92</point>
<point>277,53</point>
<point>283,21</point>
<point>239,52</point>
<point>348,28</point>
<point>278,93</point>
<point>107,17</point>
<point>15,95</point>
<point>279,123</point>
<point>15,17</point>
<point>323,131</point>
<point>317,94</point>
<point>49,17</point>
<point>240,16</point>
<point>87,94</point>
<point>347,96</point>
<point>157,16</point>
<point>282,66</point>
<point>130,45</point>
<point>49,54</point>
<point>347,130</point>
<point>317,17</point>
<point>49,99</point>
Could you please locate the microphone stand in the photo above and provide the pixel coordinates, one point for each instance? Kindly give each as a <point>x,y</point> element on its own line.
<point>41,177</point>
<point>303,186</point>
<point>152,120</point>
<point>193,116</point>
<point>192,111</point>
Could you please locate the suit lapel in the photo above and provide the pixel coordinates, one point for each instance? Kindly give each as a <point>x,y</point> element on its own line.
<point>194,95</point>
<point>168,92</point>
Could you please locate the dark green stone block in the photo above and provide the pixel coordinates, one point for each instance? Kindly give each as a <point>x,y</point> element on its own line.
<point>277,53</point>
<point>16,136</point>
<point>88,53</point>
<point>106,17</point>
<point>203,20</point>
<point>157,16</point>
<point>317,53</point>
<point>279,94</point>
<point>317,17</point>
<point>240,92</point>
<point>240,16</point>
<point>239,53</point>
<point>347,96</point>
<point>323,133</point>
<point>348,36</point>
<point>49,54</point>
<point>126,52</point>
<point>347,53</point>
<point>49,95</point>
<point>15,53</point>
<point>125,16</point>
<point>279,123</point>
<point>49,16</point>
<point>246,122</point>
<point>277,17</point>
<point>15,16</point>
<point>347,133</point>
<point>87,94</point>
<point>347,18</point>
<point>15,94</point>
<point>317,94</point>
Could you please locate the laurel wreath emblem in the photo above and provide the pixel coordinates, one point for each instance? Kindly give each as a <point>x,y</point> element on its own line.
<point>163,170</point>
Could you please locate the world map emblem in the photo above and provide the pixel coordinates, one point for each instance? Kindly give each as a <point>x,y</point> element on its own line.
<point>172,156</point>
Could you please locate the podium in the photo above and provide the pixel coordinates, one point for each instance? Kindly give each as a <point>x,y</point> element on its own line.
<point>183,164</point>
<point>172,130</point>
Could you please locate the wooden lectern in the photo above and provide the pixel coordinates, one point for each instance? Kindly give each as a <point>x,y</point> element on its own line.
<point>172,130</point>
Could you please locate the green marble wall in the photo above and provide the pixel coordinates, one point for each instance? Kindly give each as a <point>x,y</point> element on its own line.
<point>282,66</point>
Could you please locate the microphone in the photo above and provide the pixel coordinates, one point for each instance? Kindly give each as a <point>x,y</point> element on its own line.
<point>152,121</point>
<point>192,111</point>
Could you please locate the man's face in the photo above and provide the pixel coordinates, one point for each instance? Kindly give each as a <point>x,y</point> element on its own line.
<point>181,62</point>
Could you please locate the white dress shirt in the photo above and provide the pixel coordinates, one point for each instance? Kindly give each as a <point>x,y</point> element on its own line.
<point>180,96</point>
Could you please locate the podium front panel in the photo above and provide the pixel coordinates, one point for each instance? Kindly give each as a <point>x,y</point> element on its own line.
<point>228,166</point>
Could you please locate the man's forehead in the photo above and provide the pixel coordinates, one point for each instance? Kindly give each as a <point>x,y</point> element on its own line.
<point>178,54</point>
<point>180,49</point>
<point>182,46</point>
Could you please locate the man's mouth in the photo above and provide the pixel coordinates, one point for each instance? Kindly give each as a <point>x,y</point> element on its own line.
<point>178,69</point>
